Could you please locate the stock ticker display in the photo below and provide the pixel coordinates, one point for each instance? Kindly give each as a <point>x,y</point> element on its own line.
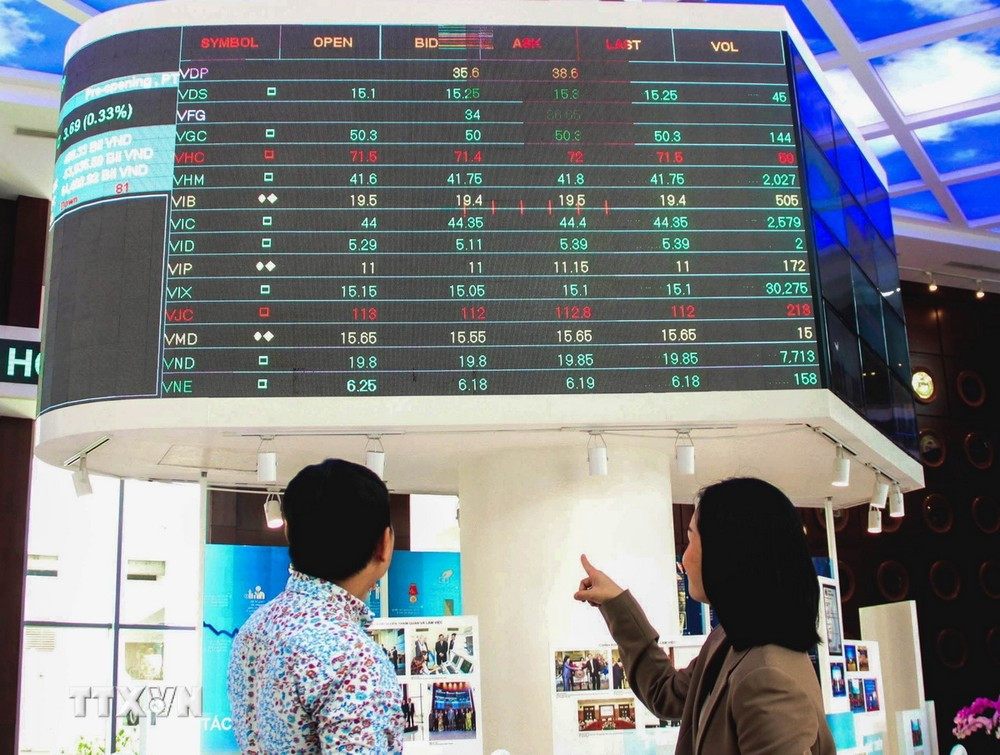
<point>400,210</point>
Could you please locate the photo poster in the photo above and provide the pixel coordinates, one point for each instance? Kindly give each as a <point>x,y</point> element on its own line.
<point>831,652</point>
<point>239,579</point>
<point>437,664</point>
<point>911,726</point>
<point>424,583</point>
<point>595,712</point>
<point>831,618</point>
<point>864,697</point>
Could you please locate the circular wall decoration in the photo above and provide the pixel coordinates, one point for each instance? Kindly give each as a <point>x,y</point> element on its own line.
<point>893,580</point>
<point>932,448</point>
<point>848,584</point>
<point>938,513</point>
<point>989,578</point>
<point>922,382</point>
<point>986,514</point>
<point>978,450</point>
<point>945,580</point>
<point>971,388</point>
<point>993,645</point>
<point>840,518</point>
<point>952,648</point>
<point>891,524</point>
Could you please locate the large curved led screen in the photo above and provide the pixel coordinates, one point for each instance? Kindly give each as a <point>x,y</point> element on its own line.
<point>367,210</point>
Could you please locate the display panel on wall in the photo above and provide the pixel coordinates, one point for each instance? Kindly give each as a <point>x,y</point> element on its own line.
<point>346,210</point>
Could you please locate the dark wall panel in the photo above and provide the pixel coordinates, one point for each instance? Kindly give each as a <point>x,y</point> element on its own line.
<point>935,556</point>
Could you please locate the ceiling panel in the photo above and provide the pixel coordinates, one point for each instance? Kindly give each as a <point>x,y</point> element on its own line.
<point>978,199</point>
<point>898,167</point>
<point>871,19</point>
<point>962,143</point>
<point>923,202</point>
<point>943,74</point>
<point>33,36</point>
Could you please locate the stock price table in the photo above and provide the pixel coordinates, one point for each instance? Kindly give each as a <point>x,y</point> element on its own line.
<point>400,210</point>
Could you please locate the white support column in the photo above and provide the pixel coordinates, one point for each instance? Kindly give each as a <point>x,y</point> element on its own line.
<point>526,517</point>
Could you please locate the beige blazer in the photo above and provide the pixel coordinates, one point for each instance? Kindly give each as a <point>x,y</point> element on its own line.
<point>766,700</point>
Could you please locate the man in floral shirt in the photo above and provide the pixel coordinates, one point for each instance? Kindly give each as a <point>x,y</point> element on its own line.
<point>304,677</point>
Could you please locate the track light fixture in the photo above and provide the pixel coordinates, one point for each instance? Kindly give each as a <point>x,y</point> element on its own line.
<point>874,520</point>
<point>267,461</point>
<point>896,506</point>
<point>931,283</point>
<point>980,293</point>
<point>880,491</point>
<point>684,452</point>
<point>841,469</point>
<point>375,456</point>
<point>597,454</point>
<point>81,479</point>
<point>272,510</point>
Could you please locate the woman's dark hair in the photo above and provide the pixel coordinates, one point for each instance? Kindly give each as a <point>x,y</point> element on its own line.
<point>755,565</point>
<point>335,513</point>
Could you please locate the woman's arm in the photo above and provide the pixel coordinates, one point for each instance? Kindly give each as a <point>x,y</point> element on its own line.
<point>661,687</point>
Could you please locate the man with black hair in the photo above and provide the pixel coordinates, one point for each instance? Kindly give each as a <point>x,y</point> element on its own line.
<point>304,676</point>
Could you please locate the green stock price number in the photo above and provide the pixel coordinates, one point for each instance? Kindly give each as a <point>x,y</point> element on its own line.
<point>473,385</point>
<point>581,383</point>
<point>786,288</point>
<point>680,358</point>
<point>685,382</point>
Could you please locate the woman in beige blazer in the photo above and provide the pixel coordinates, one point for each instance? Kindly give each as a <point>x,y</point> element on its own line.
<point>752,689</point>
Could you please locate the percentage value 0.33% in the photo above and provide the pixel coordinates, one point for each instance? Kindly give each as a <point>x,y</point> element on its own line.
<point>121,112</point>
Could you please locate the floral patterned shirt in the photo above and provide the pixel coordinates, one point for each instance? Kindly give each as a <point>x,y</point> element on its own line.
<point>304,677</point>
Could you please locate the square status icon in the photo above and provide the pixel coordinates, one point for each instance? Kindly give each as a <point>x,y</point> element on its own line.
<point>265,289</point>
<point>263,360</point>
<point>262,384</point>
<point>269,133</point>
<point>266,220</point>
<point>264,311</point>
<point>272,91</point>
<point>268,177</point>
<point>268,154</point>
<point>265,243</point>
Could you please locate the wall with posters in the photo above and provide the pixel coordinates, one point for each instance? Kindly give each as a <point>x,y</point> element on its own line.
<point>241,578</point>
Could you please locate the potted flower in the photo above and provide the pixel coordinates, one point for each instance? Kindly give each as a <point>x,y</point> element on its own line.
<point>982,715</point>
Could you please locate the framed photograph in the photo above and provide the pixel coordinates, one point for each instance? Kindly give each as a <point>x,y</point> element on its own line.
<point>862,658</point>
<point>582,671</point>
<point>831,614</point>
<point>605,714</point>
<point>838,682</point>
<point>851,657</point>
<point>871,695</point>
<point>856,695</point>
